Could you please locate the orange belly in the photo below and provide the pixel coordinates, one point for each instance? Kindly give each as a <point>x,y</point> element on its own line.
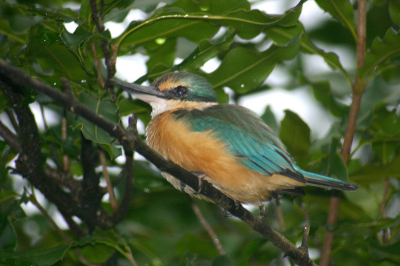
<point>202,152</point>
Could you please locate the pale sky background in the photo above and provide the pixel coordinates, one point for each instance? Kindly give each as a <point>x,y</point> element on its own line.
<point>300,101</point>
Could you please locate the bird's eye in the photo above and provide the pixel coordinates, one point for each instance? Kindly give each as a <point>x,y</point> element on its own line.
<point>181,90</point>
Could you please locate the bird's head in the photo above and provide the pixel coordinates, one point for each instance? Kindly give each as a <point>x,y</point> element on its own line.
<point>173,90</point>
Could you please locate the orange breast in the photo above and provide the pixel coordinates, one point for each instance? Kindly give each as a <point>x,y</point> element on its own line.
<point>201,151</point>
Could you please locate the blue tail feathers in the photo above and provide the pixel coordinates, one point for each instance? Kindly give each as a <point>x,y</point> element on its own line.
<point>327,182</point>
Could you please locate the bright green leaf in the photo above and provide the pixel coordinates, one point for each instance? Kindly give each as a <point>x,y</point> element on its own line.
<point>341,10</point>
<point>281,35</point>
<point>381,52</point>
<point>242,70</point>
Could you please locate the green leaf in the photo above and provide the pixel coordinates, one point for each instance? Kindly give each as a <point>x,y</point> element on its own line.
<point>206,50</point>
<point>295,134</point>
<point>128,106</point>
<point>7,31</point>
<point>341,10</point>
<point>281,35</point>
<point>192,21</point>
<point>333,164</point>
<point>242,70</point>
<point>148,179</point>
<point>375,172</point>
<point>165,27</point>
<point>161,53</point>
<point>323,93</point>
<point>7,194</point>
<point>379,252</point>
<point>61,15</point>
<point>94,133</point>
<point>78,40</point>
<point>10,211</point>
<point>380,53</point>
<point>269,118</point>
<point>366,200</point>
<point>42,257</point>
<point>394,11</point>
<point>197,245</point>
<point>387,122</point>
<point>50,58</point>
<point>108,242</point>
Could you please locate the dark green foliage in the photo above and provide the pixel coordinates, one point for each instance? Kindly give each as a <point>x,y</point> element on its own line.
<point>160,227</point>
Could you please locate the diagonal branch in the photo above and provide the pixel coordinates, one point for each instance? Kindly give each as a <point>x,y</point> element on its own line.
<point>131,140</point>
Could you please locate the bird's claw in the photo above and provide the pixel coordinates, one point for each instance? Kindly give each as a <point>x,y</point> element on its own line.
<point>200,177</point>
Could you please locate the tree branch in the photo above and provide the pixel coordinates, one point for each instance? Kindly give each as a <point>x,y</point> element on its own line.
<point>108,56</point>
<point>358,89</point>
<point>131,140</point>
<point>10,138</point>
<point>30,162</point>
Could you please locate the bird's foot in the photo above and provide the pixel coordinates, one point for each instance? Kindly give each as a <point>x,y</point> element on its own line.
<point>225,213</point>
<point>237,204</point>
<point>263,213</point>
<point>183,186</point>
<point>200,177</point>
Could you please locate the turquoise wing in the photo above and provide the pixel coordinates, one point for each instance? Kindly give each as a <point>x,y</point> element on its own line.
<point>247,137</point>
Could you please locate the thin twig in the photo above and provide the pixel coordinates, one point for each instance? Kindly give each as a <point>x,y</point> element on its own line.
<point>12,119</point>
<point>386,232</point>
<point>129,172</point>
<point>64,137</point>
<point>130,256</point>
<point>97,62</point>
<point>280,215</point>
<point>110,189</point>
<point>304,243</point>
<point>10,138</point>
<point>208,228</point>
<point>358,89</point>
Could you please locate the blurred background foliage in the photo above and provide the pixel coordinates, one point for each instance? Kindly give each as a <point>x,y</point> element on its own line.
<point>160,227</point>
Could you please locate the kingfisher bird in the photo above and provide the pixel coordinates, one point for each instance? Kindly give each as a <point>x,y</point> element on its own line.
<point>227,145</point>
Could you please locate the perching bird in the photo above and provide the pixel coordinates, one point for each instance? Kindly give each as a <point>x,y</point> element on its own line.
<point>227,145</point>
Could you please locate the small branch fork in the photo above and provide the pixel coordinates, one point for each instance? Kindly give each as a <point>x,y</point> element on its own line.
<point>358,90</point>
<point>131,141</point>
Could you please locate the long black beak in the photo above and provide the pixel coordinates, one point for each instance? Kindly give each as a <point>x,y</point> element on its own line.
<point>139,89</point>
